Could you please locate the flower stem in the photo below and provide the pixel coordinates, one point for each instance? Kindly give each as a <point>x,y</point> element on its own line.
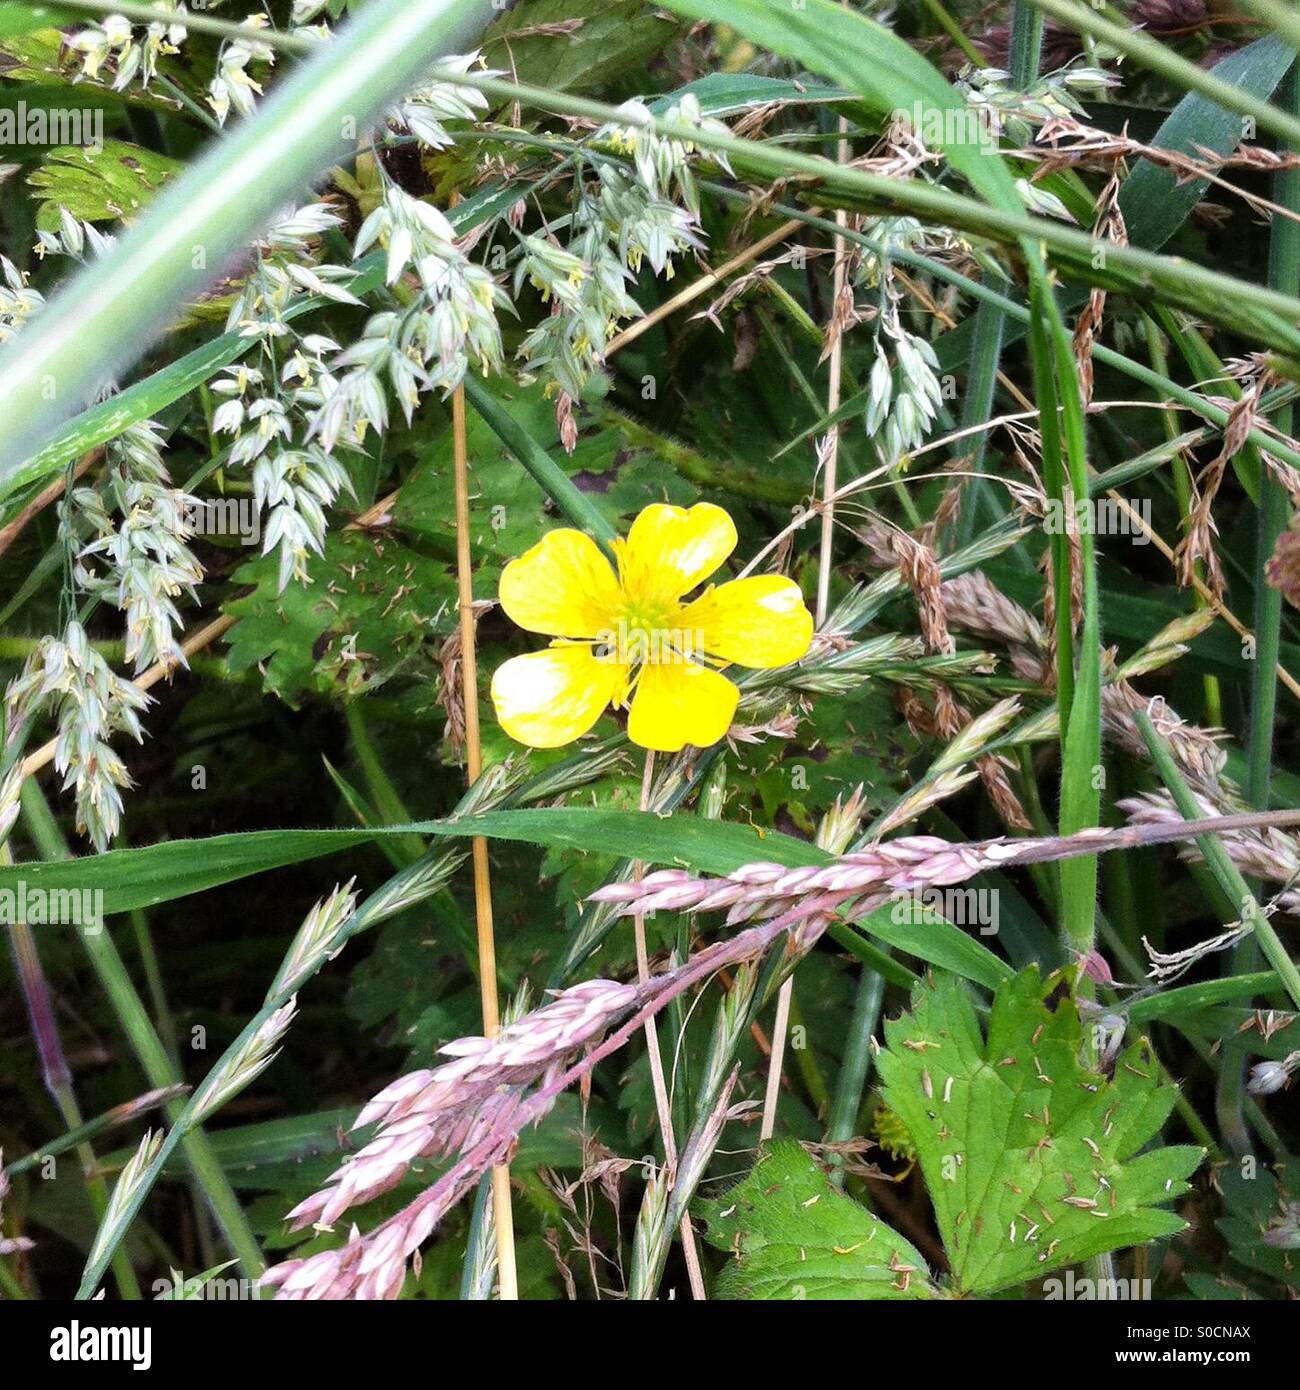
<point>663,1105</point>
<point>503,1217</point>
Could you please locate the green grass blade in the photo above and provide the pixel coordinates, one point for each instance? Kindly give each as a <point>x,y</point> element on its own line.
<point>576,505</point>
<point>145,1042</point>
<point>1155,200</point>
<point>1272,514</point>
<point>144,877</point>
<point>1225,872</point>
<point>107,314</point>
<point>990,321</point>
<point>1081,770</point>
<point>1161,59</point>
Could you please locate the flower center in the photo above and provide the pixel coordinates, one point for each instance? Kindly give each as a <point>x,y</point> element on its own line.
<point>647,631</point>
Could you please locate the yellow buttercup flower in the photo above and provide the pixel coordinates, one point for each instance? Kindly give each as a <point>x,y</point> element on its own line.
<point>633,639</point>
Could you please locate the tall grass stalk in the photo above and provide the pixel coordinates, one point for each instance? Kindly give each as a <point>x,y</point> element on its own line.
<point>57,1076</point>
<point>502,1216</point>
<point>829,460</point>
<point>149,1050</point>
<point>1271,520</point>
<point>990,319</point>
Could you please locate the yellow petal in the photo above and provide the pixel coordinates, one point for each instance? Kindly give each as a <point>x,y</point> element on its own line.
<point>757,622</point>
<point>670,550</point>
<point>549,698</point>
<point>563,587</point>
<point>679,703</point>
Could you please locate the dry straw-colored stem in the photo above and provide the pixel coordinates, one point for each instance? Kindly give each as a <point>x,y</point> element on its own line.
<point>10,533</point>
<point>487,957</point>
<point>699,287</point>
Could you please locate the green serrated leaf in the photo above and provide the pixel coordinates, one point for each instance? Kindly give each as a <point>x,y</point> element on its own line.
<point>370,609</point>
<point>111,184</point>
<point>1030,1157</point>
<point>1261,1222</point>
<point>575,45</point>
<point>795,1237</point>
<point>38,61</point>
<point>37,117</point>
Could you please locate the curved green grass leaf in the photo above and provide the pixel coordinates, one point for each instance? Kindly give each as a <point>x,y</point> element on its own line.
<point>1172,1003</point>
<point>135,878</point>
<point>871,60</point>
<point>933,939</point>
<point>724,93</point>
